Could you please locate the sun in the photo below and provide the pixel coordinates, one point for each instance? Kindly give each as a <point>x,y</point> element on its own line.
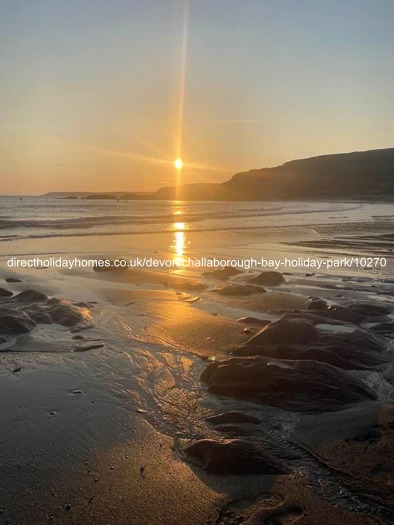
<point>178,163</point>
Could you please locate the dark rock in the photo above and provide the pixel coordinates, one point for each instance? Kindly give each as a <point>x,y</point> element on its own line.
<point>67,314</point>
<point>82,305</point>
<point>315,303</point>
<point>64,315</point>
<point>253,320</point>
<point>222,274</point>
<point>355,349</point>
<point>12,280</point>
<point>291,385</point>
<point>234,457</point>
<point>235,289</point>
<point>15,322</point>
<point>232,417</point>
<point>230,429</point>
<point>344,356</point>
<point>286,330</point>
<point>342,313</point>
<point>268,279</point>
<point>38,314</point>
<point>352,313</point>
<point>190,299</point>
<point>31,296</point>
<point>385,329</point>
<point>31,308</point>
<point>88,346</point>
<point>80,328</point>
<point>5,293</point>
<point>369,310</point>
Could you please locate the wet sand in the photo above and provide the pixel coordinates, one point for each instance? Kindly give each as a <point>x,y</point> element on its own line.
<point>102,399</point>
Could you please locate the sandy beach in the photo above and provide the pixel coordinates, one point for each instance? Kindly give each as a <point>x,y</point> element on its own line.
<point>202,396</point>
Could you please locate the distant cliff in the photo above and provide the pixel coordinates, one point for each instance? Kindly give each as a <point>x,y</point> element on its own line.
<point>358,175</point>
<point>366,175</point>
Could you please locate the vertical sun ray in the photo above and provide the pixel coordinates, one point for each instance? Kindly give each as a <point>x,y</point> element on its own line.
<point>181,101</point>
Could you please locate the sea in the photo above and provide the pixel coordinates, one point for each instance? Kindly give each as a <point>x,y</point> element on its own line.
<point>59,226</point>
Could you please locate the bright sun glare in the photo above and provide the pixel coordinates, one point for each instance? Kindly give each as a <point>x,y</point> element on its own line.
<point>178,164</point>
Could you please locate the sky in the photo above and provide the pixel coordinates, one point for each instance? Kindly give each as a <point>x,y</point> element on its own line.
<point>104,95</point>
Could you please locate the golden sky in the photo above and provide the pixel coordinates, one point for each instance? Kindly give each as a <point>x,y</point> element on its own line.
<point>103,96</point>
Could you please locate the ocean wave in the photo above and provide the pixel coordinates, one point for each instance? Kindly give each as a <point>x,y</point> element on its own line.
<point>81,222</point>
<point>213,228</point>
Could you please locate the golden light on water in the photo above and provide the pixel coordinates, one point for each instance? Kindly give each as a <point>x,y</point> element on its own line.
<point>178,163</point>
<point>179,241</point>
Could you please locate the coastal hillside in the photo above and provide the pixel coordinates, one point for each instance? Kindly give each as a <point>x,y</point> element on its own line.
<point>358,175</point>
